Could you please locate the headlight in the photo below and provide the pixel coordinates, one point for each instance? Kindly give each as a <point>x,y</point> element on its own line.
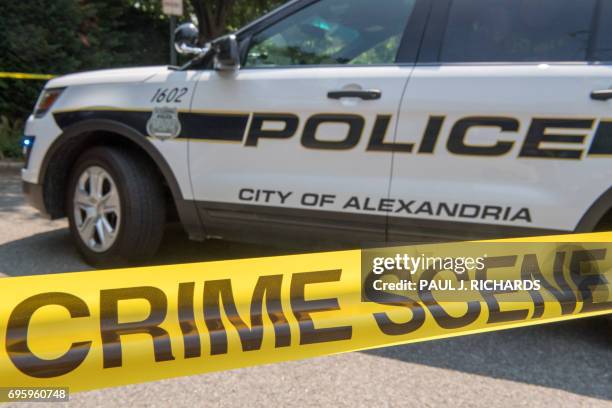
<point>46,101</point>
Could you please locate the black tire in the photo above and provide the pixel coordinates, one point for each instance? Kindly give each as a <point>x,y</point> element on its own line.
<point>142,204</point>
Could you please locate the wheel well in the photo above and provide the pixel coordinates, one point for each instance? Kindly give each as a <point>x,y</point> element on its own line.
<point>605,224</point>
<point>64,158</point>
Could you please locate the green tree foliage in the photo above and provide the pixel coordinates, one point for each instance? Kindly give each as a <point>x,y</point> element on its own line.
<point>217,17</point>
<point>64,36</point>
<point>126,33</point>
<point>36,36</point>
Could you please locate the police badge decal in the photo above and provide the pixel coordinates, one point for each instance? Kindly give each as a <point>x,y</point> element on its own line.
<point>164,124</point>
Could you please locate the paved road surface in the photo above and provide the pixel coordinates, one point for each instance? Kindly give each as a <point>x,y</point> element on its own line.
<point>567,364</point>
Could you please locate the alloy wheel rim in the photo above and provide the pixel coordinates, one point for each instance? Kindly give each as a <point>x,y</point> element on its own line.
<point>97,209</point>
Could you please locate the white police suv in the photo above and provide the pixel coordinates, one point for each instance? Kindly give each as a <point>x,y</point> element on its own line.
<point>342,121</point>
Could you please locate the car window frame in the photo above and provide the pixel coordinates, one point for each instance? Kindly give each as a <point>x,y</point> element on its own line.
<point>597,22</point>
<point>407,54</point>
<point>434,36</point>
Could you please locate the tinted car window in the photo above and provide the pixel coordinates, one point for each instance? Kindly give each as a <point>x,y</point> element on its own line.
<point>603,43</point>
<point>334,32</point>
<point>518,30</point>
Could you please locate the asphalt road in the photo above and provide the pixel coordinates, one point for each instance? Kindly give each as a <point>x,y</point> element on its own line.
<point>567,364</point>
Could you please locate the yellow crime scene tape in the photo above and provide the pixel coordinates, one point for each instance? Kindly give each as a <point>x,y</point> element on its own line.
<point>21,75</point>
<point>101,329</point>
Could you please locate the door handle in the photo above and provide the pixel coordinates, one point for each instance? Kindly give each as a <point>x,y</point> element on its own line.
<point>603,95</point>
<point>366,94</point>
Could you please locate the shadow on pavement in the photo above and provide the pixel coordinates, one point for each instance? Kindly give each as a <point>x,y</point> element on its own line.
<point>178,249</point>
<point>54,252</point>
<point>573,356</point>
<point>41,254</point>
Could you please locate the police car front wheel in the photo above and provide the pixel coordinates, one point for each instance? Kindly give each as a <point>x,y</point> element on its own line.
<point>97,209</point>
<point>116,207</point>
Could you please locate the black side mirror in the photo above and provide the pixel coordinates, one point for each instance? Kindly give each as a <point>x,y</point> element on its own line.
<point>186,40</point>
<point>227,54</point>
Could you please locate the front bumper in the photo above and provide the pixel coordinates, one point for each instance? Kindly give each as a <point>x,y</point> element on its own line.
<point>34,195</point>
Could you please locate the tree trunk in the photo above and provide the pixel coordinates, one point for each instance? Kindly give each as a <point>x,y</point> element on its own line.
<point>212,17</point>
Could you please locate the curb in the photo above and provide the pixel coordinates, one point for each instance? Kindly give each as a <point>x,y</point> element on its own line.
<point>11,165</point>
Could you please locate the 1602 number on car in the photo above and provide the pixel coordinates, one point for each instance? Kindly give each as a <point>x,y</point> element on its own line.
<point>169,95</point>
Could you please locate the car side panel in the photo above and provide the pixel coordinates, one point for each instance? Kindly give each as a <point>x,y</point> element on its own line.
<point>556,191</point>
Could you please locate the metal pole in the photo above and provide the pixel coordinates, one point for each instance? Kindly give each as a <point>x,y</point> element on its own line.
<point>173,59</point>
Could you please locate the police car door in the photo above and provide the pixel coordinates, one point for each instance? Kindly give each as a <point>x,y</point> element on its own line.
<point>295,140</point>
<point>504,127</point>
